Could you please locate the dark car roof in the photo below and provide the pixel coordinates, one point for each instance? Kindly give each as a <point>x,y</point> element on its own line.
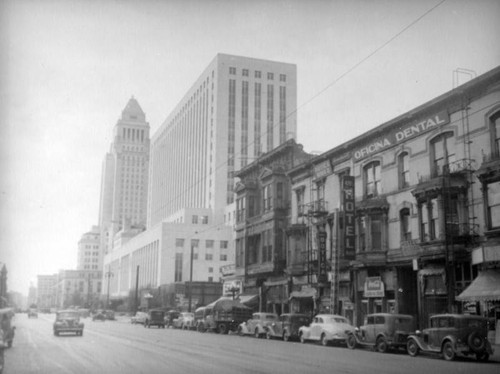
<point>390,315</point>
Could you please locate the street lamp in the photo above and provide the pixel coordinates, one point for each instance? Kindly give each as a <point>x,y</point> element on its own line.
<point>108,275</point>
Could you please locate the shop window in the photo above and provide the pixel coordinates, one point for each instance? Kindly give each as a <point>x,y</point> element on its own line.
<point>371,173</point>
<point>442,153</point>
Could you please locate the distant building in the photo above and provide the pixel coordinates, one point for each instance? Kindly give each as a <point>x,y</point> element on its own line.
<point>3,286</point>
<point>125,175</point>
<point>78,288</point>
<point>89,255</point>
<point>47,291</point>
<point>32,295</point>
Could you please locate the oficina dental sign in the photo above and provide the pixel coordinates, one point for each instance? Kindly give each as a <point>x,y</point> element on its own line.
<point>402,134</point>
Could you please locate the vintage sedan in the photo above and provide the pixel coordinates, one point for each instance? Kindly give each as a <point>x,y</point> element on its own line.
<point>139,318</point>
<point>287,326</point>
<point>184,321</point>
<point>257,325</point>
<point>68,321</point>
<point>452,334</point>
<point>383,331</point>
<point>326,329</point>
<point>155,317</point>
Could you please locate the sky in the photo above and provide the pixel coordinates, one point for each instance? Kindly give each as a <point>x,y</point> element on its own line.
<point>68,68</point>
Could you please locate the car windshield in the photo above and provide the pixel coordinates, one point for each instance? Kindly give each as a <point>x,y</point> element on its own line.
<point>301,320</point>
<point>271,317</point>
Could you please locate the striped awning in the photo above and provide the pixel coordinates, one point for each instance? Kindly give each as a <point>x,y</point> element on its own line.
<point>486,287</point>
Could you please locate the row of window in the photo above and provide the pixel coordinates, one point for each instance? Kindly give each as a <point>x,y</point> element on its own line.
<point>209,243</point>
<point>257,74</point>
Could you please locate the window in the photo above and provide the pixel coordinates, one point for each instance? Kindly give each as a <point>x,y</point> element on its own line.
<point>223,257</point>
<point>209,244</point>
<point>232,71</point>
<point>268,198</point>
<point>493,202</point>
<point>270,76</point>
<point>404,219</point>
<point>179,243</point>
<point>257,74</point>
<point>210,279</point>
<point>204,220</point>
<point>376,232</point>
<point>194,219</point>
<point>244,72</point>
<point>195,243</point>
<point>299,193</point>
<point>178,267</point>
<point>280,195</point>
<point>495,134</point>
<point>443,153</point>
<point>240,210</point>
<point>429,219</point>
<point>223,244</point>
<point>372,179</point>
<point>404,170</point>
<point>209,257</point>
<point>282,78</point>
<point>210,270</point>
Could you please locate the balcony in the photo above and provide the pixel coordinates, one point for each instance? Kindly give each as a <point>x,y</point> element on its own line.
<point>316,208</point>
<point>489,170</point>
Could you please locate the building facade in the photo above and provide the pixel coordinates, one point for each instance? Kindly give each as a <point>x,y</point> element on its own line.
<point>238,109</point>
<point>89,255</point>
<point>407,211</point>
<point>47,291</point>
<point>79,288</point>
<point>125,175</point>
<point>262,208</point>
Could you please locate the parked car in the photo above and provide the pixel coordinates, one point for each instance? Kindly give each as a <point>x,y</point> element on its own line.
<point>156,317</point>
<point>453,334</point>
<point>170,316</point>
<point>68,321</point>
<point>140,317</point>
<point>184,321</point>
<point>110,315</point>
<point>383,331</point>
<point>326,328</point>
<point>203,317</point>
<point>32,313</point>
<point>287,326</point>
<point>257,325</point>
<point>84,313</point>
<point>99,316</point>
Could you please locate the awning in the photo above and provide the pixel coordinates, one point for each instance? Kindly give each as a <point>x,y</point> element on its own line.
<point>486,287</point>
<point>249,300</point>
<point>307,293</point>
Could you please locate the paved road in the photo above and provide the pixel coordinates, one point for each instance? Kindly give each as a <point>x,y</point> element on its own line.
<point>120,347</point>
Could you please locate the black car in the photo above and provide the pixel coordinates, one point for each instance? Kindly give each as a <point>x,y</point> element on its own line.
<point>99,316</point>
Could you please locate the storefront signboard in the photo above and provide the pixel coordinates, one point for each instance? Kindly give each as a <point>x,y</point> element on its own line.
<point>374,287</point>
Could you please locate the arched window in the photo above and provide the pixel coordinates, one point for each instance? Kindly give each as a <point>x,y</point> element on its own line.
<point>404,219</point>
<point>404,170</point>
<point>442,152</point>
<point>372,179</point>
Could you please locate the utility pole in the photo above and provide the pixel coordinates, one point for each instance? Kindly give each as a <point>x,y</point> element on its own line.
<point>191,278</point>
<point>137,290</point>
<point>108,275</point>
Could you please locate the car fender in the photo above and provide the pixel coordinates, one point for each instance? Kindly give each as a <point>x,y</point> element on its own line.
<point>262,329</point>
<point>305,331</point>
<point>421,345</point>
<point>244,328</point>
<point>449,338</point>
<point>271,330</point>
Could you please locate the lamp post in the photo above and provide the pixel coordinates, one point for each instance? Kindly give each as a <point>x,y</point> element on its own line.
<point>108,275</point>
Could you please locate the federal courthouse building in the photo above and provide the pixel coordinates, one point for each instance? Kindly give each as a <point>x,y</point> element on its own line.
<point>238,109</point>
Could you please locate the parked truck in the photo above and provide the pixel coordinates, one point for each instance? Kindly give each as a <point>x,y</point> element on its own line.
<point>221,316</point>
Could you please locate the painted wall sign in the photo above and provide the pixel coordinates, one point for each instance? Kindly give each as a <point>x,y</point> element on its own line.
<point>374,287</point>
<point>402,134</point>
<point>348,251</point>
<point>322,169</point>
<point>322,274</point>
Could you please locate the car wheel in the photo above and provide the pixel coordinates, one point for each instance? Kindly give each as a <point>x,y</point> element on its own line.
<point>222,328</point>
<point>483,357</point>
<point>351,341</point>
<point>256,333</point>
<point>412,348</point>
<point>302,339</point>
<point>476,342</point>
<point>240,331</point>
<point>324,340</point>
<point>286,336</point>
<point>268,335</point>
<point>448,351</point>
<point>381,345</point>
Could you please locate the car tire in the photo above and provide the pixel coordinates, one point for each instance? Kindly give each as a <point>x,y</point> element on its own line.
<point>448,351</point>
<point>412,348</point>
<point>268,335</point>
<point>222,329</point>
<point>351,341</point>
<point>381,345</point>
<point>286,336</point>
<point>240,331</point>
<point>256,333</point>
<point>324,341</point>
<point>476,342</point>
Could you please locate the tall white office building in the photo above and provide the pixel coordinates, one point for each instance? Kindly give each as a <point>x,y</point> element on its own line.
<point>238,109</point>
<point>124,181</point>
